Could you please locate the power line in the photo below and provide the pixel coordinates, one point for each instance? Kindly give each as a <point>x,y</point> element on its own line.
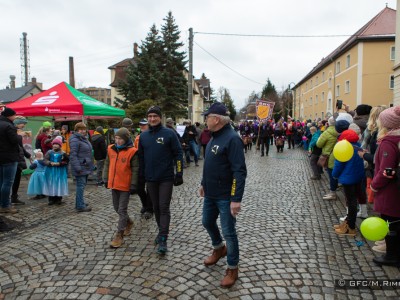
<point>227,65</point>
<point>276,35</point>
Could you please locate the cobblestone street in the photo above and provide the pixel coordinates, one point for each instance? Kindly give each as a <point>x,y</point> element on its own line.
<point>288,246</point>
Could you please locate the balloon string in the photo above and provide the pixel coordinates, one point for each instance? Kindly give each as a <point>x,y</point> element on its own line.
<point>393,222</point>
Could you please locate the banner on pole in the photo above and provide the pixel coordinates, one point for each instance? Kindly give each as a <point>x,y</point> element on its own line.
<point>264,109</point>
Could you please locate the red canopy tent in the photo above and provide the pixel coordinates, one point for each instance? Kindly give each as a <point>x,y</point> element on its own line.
<point>63,102</point>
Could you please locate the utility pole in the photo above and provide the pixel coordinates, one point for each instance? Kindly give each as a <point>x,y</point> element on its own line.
<point>190,75</point>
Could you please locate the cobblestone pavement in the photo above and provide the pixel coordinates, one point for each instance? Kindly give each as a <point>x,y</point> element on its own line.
<point>288,247</point>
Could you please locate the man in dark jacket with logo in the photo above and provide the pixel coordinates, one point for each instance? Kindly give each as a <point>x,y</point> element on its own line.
<point>222,187</point>
<point>9,156</point>
<point>159,151</point>
<point>100,152</point>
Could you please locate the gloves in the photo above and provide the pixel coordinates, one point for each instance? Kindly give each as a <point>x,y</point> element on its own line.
<point>178,180</point>
<point>133,189</point>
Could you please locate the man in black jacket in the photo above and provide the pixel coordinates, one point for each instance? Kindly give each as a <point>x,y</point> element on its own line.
<point>9,156</point>
<point>222,187</point>
<point>100,152</point>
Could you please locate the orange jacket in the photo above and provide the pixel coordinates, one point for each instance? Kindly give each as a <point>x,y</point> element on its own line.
<point>65,146</point>
<point>121,168</point>
<point>136,143</point>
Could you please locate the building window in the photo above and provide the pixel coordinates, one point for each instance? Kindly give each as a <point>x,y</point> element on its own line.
<point>323,76</point>
<point>392,53</point>
<point>322,115</point>
<point>316,99</point>
<point>337,67</point>
<point>109,101</point>
<point>310,101</point>
<point>311,86</point>
<point>347,87</point>
<point>322,96</point>
<point>391,84</point>
<point>329,104</point>
<point>348,61</point>
<point>330,83</point>
<point>338,90</point>
<point>316,81</point>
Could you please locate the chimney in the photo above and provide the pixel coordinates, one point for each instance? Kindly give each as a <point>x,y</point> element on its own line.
<point>12,82</point>
<point>71,72</point>
<point>34,80</point>
<point>135,50</point>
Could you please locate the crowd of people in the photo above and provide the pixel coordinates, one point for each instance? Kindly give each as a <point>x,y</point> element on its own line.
<point>151,163</point>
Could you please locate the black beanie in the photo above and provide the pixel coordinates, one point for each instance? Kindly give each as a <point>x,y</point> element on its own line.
<point>154,110</point>
<point>123,133</point>
<point>8,112</point>
<point>363,109</point>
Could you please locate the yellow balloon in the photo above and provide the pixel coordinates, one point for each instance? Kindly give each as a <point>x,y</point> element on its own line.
<point>343,151</point>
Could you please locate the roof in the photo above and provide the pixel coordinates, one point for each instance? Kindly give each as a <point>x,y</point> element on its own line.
<point>11,95</point>
<point>380,27</point>
<point>123,63</point>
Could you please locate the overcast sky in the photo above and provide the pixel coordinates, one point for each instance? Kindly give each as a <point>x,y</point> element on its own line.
<point>99,33</point>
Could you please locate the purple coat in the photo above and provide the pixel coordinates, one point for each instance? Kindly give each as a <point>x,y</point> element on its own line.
<point>387,199</point>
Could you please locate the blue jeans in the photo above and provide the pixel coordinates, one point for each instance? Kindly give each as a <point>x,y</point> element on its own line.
<point>194,148</point>
<point>80,189</point>
<point>333,183</point>
<point>211,209</point>
<point>7,175</point>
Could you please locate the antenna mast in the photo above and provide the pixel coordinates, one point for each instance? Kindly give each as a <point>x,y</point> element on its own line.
<point>25,67</point>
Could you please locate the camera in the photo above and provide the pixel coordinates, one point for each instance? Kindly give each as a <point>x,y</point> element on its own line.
<point>389,171</point>
<point>339,104</point>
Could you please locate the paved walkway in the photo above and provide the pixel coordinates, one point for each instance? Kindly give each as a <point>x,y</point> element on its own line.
<point>288,247</point>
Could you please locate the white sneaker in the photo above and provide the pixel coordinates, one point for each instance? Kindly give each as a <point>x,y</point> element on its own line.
<point>380,248</point>
<point>378,243</point>
<point>330,196</point>
<point>343,218</point>
<point>362,215</point>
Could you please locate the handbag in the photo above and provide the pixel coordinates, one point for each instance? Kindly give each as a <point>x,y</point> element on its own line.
<point>323,161</point>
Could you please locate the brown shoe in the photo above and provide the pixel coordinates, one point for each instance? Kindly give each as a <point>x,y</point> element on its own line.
<point>215,256</point>
<point>341,225</point>
<point>118,240</point>
<point>128,228</point>
<point>346,230</point>
<point>8,210</point>
<point>231,275</point>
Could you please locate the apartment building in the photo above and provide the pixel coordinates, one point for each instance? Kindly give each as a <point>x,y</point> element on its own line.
<point>101,94</point>
<point>359,71</point>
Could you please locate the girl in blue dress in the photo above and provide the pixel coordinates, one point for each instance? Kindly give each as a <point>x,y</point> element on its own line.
<point>37,183</point>
<point>56,161</point>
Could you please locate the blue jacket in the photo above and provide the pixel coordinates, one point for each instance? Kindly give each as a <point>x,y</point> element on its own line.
<point>224,172</point>
<point>80,156</point>
<point>159,151</point>
<point>349,172</point>
<point>314,139</point>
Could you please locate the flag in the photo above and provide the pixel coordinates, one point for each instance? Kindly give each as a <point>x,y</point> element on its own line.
<point>264,109</point>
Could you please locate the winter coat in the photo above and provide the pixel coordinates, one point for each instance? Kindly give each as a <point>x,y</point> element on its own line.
<point>121,168</point>
<point>99,146</point>
<point>159,150</point>
<point>372,146</point>
<point>9,150</point>
<point>349,172</point>
<point>266,130</point>
<point>81,159</point>
<point>386,191</point>
<point>326,142</point>
<point>205,136</point>
<point>65,145</point>
<point>224,172</point>
<point>190,137</point>
<point>314,140</point>
<point>22,155</point>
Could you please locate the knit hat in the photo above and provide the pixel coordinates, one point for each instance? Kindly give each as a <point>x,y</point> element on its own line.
<point>345,116</point>
<point>349,135</point>
<point>57,141</point>
<point>363,109</point>
<point>123,133</point>
<point>143,122</point>
<point>8,112</point>
<point>154,110</point>
<point>169,121</point>
<point>79,125</point>
<point>390,118</point>
<point>355,128</point>
<point>341,125</point>
<point>99,129</point>
<point>127,122</point>
<point>20,120</point>
<point>331,121</point>
<point>46,124</point>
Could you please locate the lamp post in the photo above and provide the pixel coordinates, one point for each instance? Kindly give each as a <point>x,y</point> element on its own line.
<point>293,92</point>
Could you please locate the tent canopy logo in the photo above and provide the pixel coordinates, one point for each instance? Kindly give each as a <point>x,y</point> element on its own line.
<point>46,100</point>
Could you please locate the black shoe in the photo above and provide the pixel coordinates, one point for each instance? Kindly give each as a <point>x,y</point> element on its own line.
<point>143,210</point>
<point>162,245</point>
<point>262,154</point>
<point>196,164</point>
<point>148,215</point>
<point>384,260</point>
<point>4,227</point>
<point>85,209</point>
<point>17,202</point>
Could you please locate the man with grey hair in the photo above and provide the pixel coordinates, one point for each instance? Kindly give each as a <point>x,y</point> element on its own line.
<point>222,186</point>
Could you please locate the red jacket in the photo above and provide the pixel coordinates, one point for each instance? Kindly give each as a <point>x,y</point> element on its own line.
<point>205,136</point>
<point>387,194</point>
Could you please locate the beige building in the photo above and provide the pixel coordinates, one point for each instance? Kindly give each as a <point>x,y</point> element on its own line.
<point>101,94</point>
<point>396,68</point>
<point>359,71</point>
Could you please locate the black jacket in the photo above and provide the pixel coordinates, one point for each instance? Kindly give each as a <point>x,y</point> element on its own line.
<point>9,151</point>
<point>99,146</point>
<point>224,172</point>
<point>189,137</point>
<point>266,130</point>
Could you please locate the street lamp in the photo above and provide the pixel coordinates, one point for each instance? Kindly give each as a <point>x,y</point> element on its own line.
<point>294,98</point>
